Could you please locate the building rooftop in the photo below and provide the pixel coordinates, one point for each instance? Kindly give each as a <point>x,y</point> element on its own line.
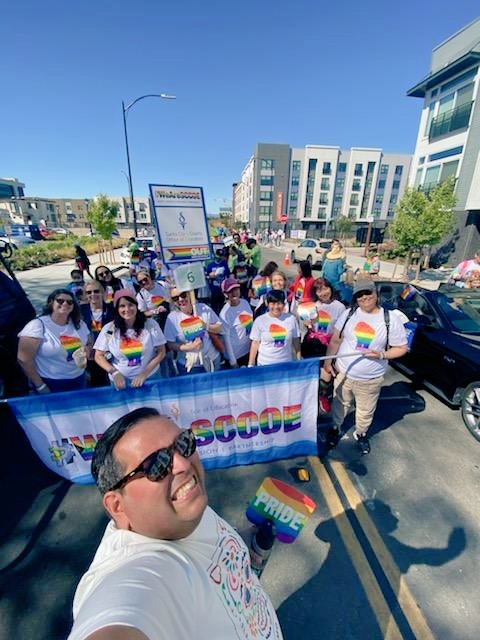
<point>433,79</point>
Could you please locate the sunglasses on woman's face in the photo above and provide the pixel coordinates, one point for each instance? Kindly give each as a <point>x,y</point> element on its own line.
<point>143,281</point>
<point>89,293</point>
<point>180,295</point>
<point>62,301</point>
<point>158,464</point>
<point>103,274</point>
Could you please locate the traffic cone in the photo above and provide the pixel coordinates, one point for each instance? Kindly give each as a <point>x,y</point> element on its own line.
<point>286,260</point>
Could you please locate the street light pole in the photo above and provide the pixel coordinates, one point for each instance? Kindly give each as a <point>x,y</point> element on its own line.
<point>125,110</point>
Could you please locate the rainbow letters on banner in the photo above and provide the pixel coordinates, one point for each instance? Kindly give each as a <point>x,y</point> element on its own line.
<point>239,417</point>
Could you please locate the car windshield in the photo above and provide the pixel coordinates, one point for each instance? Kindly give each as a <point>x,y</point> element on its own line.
<point>463,312</point>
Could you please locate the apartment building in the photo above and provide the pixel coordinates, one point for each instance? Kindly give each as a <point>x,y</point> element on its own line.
<point>448,141</point>
<point>311,187</point>
<point>11,193</point>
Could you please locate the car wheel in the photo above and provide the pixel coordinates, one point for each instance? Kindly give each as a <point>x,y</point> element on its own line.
<point>471,409</point>
<point>292,257</point>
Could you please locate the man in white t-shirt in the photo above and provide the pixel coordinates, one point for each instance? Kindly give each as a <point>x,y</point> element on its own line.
<point>168,567</point>
<point>362,330</point>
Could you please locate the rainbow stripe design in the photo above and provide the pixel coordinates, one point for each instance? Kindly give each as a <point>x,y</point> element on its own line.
<point>299,291</point>
<point>157,300</point>
<point>184,253</point>
<point>108,294</point>
<point>261,286</point>
<point>132,349</point>
<point>246,320</point>
<point>364,334</point>
<point>96,326</point>
<point>284,505</point>
<point>324,319</point>
<point>70,344</point>
<point>307,311</point>
<point>192,328</point>
<point>278,334</point>
<point>408,292</point>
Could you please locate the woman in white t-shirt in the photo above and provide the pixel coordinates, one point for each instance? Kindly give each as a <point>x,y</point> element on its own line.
<point>319,318</point>
<point>237,318</point>
<point>134,344</point>
<point>189,333</point>
<point>275,335</point>
<point>53,348</point>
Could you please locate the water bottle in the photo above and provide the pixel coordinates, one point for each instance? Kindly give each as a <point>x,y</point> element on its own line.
<point>261,546</point>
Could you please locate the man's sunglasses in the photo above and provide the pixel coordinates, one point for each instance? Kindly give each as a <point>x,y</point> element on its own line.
<point>61,301</point>
<point>89,293</point>
<point>143,281</point>
<point>103,274</point>
<point>181,295</point>
<point>158,464</point>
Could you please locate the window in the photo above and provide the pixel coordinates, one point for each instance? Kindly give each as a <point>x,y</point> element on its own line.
<point>323,198</point>
<point>327,168</point>
<point>398,170</point>
<point>445,154</point>
<point>296,164</point>
<point>336,211</point>
<point>359,169</point>
<point>381,184</point>
<point>266,180</point>
<point>294,195</point>
<point>393,199</point>
<point>431,110</point>
<point>418,178</point>
<point>449,169</point>
<point>468,75</point>
<point>292,210</point>
<point>340,183</point>
<point>268,209</point>
<point>295,181</point>
<point>352,212</point>
<point>308,212</point>
<point>266,195</point>
<point>396,184</point>
<point>379,198</point>
<point>356,186</point>
<point>370,167</point>
<point>338,197</point>
<point>322,213</point>
<point>325,184</point>
<point>421,160</point>
<point>377,212</point>
<point>354,198</point>
<point>267,164</point>
<point>384,169</point>
<point>342,167</point>
<point>431,177</point>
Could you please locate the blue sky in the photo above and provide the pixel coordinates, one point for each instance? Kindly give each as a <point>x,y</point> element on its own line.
<point>304,72</point>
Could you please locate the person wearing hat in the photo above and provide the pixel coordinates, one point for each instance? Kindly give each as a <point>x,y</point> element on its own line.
<point>237,318</point>
<point>377,336</point>
<point>131,347</point>
<point>275,335</point>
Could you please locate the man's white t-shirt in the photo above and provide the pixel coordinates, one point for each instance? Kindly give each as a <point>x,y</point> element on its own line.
<point>238,323</point>
<point>182,328</point>
<point>54,358</point>
<point>275,336</point>
<point>362,332</point>
<point>199,587</point>
<point>150,300</point>
<point>131,353</point>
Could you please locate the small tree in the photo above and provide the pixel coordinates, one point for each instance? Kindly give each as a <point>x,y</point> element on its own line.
<point>102,216</point>
<point>423,219</point>
<point>343,226</point>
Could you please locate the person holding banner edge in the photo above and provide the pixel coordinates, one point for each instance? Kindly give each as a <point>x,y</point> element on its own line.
<point>164,544</point>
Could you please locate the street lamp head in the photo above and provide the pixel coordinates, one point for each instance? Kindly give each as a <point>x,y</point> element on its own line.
<point>166,96</point>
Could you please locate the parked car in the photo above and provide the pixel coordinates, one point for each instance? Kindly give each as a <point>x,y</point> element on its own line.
<point>15,311</point>
<point>60,231</point>
<point>445,353</point>
<point>311,249</point>
<point>16,241</point>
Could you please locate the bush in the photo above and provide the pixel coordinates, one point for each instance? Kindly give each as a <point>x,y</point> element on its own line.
<point>389,250</point>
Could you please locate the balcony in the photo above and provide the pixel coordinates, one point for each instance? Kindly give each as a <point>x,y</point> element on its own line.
<point>450,121</point>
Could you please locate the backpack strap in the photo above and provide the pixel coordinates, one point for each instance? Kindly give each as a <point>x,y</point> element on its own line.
<point>351,311</point>
<point>386,315</point>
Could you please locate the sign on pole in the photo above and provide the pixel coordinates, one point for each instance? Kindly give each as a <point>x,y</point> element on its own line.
<point>189,276</point>
<point>181,221</point>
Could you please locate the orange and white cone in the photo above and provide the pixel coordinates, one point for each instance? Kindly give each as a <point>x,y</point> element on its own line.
<point>286,260</point>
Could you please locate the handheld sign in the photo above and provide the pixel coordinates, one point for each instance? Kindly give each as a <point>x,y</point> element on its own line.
<point>307,311</point>
<point>285,506</point>
<point>189,276</point>
<point>261,285</point>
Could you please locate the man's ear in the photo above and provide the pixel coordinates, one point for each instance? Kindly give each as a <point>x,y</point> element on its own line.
<point>113,503</point>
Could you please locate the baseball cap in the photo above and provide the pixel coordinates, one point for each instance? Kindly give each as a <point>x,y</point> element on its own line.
<point>229,284</point>
<point>363,285</point>
<point>124,293</point>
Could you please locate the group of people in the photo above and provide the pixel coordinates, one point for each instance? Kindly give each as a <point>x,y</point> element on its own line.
<point>467,273</point>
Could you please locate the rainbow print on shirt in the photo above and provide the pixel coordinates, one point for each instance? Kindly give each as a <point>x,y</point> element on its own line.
<point>157,300</point>
<point>278,334</point>
<point>132,349</point>
<point>324,320</point>
<point>246,320</point>
<point>96,326</point>
<point>192,328</point>
<point>299,291</point>
<point>364,334</point>
<point>70,344</point>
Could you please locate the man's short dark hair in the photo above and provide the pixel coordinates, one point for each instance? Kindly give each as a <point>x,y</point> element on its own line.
<point>106,470</point>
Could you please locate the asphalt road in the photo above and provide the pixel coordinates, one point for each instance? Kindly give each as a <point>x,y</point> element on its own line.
<point>391,551</point>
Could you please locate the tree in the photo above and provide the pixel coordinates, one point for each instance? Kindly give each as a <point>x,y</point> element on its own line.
<point>343,226</point>
<point>102,216</point>
<point>423,219</point>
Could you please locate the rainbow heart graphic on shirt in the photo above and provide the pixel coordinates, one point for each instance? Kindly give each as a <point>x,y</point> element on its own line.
<point>364,334</point>
<point>96,326</point>
<point>307,311</point>
<point>261,285</point>
<point>192,328</point>
<point>278,334</point>
<point>132,349</point>
<point>246,320</point>
<point>157,300</point>
<point>108,294</point>
<point>324,319</point>
<point>299,291</point>
<point>70,344</point>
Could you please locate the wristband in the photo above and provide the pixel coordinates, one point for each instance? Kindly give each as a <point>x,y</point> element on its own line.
<point>41,387</point>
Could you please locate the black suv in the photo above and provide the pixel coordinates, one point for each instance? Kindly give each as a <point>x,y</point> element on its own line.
<point>15,311</point>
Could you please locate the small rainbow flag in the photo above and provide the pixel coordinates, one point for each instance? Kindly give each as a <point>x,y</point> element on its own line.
<point>307,311</point>
<point>278,334</point>
<point>285,506</point>
<point>261,286</point>
<point>192,327</point>
<point>246,320</point>
<point>299,291</point>
<point>183,253</point>
<point>408,292</point>
<point>157,300</point>
<point>132,349</point>
<point>364,334</point>
<point>70,344</point>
